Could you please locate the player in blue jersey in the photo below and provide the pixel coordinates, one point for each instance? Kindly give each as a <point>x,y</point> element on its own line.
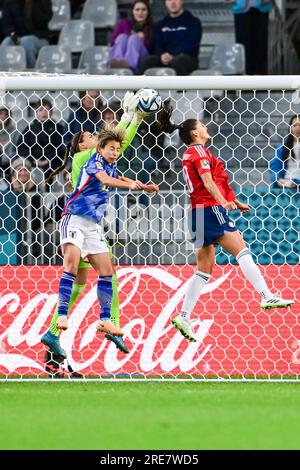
<point>82,147</point>
<point>80,231</point>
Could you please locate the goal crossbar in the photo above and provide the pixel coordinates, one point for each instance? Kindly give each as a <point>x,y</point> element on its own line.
<point>41,82</point>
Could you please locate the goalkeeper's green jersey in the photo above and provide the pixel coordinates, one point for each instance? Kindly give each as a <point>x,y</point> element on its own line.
<point>80,158</point>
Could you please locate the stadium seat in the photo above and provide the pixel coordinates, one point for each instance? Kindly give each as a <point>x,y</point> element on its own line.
<point>102,13</point>
<point>206,72</point>
<point>205,55</point>
<point>12,58</point>
<point>229,60</point>
<point>94,59</point>
<point>213,14</point>
<point>61,14</point>
<point>54,59</point>
<point>77,35</point>
<point>216,38</point>
<point>160,71</point>
<point>116,71</point>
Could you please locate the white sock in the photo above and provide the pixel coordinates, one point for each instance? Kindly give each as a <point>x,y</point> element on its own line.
<point>196,284</point>
<point>252,273</point>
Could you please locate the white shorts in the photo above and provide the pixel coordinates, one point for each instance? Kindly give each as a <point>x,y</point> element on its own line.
<point>84,233</point>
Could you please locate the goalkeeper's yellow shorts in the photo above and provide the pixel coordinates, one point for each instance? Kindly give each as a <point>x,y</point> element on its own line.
<point>84,265</point>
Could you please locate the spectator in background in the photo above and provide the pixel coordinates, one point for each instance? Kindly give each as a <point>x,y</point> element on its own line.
<point>108,116</point>
<point>251,19</point>
<point>285,166</point>
<point>8,137</point>
<point>42,142</point>
<point>57,206</point>
<point>21,178</point>
<point>53,217</point>
<point>31,203</point>
<point>87,116</point>
<point>7,134</point>
<point>177,40</point>
<point>7,127</point>
<point>132,39</point>
<point>25,23</point>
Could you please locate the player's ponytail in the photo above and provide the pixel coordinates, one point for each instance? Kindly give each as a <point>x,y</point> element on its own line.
<point>71,149</point>
<point>164,118</point>
<point>185,128</point>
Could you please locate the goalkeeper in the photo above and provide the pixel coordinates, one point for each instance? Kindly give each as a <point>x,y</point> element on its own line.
<point>82,147</point>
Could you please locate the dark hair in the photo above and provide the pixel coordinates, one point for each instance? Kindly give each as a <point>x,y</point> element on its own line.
<point>289,141</point>
<point>71,149</point>
<point>98,100</point>
<point>83,94</point>
<point>42,102</point>
<point>148,25</point>
<point>185,128</point>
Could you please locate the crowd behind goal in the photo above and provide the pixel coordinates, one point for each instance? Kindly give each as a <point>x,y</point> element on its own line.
<point>254,132</point>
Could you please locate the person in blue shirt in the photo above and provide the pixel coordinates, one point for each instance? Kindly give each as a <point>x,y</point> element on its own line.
<point>285,166</point>
<point>251,20</point>
<point>176,40</point>
<point>80,233</point>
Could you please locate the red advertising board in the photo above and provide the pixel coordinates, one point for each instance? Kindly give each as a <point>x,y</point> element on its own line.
<point>235,337</point>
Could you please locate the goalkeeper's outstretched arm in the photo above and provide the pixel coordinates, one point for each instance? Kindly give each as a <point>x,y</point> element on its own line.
<point>131,119</point>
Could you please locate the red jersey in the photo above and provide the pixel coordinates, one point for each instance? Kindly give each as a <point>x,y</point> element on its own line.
<point>196,161</point>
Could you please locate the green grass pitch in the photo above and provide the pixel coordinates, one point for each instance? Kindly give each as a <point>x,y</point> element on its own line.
<point>149,416</point>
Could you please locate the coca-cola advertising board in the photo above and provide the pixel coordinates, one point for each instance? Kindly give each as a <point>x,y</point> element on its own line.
<point>236,338</point>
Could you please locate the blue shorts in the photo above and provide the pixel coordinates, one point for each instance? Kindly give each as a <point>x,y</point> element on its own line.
<point>207,224</point>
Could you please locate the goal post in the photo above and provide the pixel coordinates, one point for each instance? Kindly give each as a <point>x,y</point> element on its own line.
<point>248,119</point>
<point>39,82</point>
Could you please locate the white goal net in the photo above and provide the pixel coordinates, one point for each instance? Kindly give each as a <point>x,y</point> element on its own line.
<point>248,119</point>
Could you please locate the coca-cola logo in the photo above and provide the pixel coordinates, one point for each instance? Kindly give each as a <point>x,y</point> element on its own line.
<point>235,337</point>
<point>143,337</point>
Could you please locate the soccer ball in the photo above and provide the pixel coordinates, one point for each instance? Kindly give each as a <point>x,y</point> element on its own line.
<point>149,100</point>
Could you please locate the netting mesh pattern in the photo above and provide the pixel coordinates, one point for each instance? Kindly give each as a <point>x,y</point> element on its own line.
<point>149,240</point>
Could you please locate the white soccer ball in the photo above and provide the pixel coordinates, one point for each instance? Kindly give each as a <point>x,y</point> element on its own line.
<point>149,100</point>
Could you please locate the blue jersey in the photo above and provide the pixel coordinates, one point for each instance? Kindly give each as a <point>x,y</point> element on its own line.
<point>90,198</point>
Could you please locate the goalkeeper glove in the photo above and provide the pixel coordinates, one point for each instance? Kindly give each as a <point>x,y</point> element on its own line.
<point>129,104</point>
<point>139,116</point>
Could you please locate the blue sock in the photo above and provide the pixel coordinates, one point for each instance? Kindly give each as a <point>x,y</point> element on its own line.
<point>64,292</point>
<point>104,292</point>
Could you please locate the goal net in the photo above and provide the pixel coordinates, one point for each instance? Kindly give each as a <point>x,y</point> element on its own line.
<point>248,119</point>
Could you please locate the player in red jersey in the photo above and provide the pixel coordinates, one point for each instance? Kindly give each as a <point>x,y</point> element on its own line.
<point>211,197</point>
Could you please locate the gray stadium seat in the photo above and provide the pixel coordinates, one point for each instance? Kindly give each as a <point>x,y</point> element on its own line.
<point>102,13</point>
<point>54,59</point>
<point>216,38</point>
<point>116,71</point>
<point>94,59</point>
<point>77,35</point>
<point>205,54</point>
<point>206,72</point>
<point>12,58</point>
<point>229,60</point>
<point>61,14</point>
<point>212,15</point>
<point>160,71</point>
